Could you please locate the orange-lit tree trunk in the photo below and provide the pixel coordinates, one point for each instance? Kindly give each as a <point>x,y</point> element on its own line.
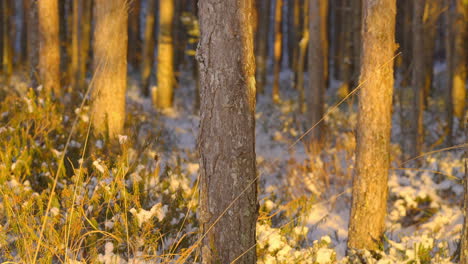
<point>277,51</point>
<point>147,59</point>
<point>163,98</point>
<point>369,202</point>
<point>227,132</point>
<point>261,43</point>
<point>110,67</point>
<point>2,37</point>
<point>460,34</point>
<point>75,46</point>
<point>317,67</point>
<point>49,46</point>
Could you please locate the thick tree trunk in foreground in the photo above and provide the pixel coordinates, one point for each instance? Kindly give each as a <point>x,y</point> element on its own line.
<point>317,67</point>
<point>277,51</point>
<point>49,46</point>
<point>227,131</point>
<point>110,67</point>
<point>165,72</point>
<point>369,203</point>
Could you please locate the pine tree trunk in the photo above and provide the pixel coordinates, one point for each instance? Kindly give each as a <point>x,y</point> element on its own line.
<point>261,44</point>
<point>32,40</point>
<point>277,51</point>
<point>134,38</point>
<point>165,71</point>
<point>317,68</point>
<point>418,81</point>
<point>8,49</point>
<point>369,202</point>
<point>227,131</point>
<point>85,13</point>
<point>302,57</point>
<point>346,47</point>
<point>460,71</point>
<point>450,65</point>
<point>148,48</point>
<point>75,46</point>
<point>110,67</point>
<point>49,46</point>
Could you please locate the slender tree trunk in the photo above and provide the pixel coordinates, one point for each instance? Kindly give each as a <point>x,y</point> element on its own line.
<point>75,46</point>
<point>346,47</point>
<point>227,132</point>
<point>418,80</point>
<point>85,12</point>
<point>8,50</point>
<point>369,203</point>
<point>464,235</point>
<point>261,42</point>
<point>32,40</point>
<point>460,71</point>
<point>450,65</point>
<point>165,71</point>
<point>278,48</point>
<point>148,47</point>
<point>293,34</point>
<point>110,67</point>
<point>134,36</point>
<point>302,57</point>
<point>49,46</point>
<point>179,38</point>
<point>317,68</point>
<point>356,46</point>
<point>337,37</point>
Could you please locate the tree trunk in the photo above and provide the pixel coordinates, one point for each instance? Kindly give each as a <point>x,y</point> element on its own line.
<point>2,36</point>
<point>261,44</point>
<point>460,31</point>
<point>110,67</point>
<point>49,46</point>
<point>317,68</point>
<point>75,46</point>
<point>369,202</point>
<point>449,61</point>
<point>356,46</point>
<point>227,131</point>
<point>278,48</point>
<point>134,37</point>
<point>302,57</point>
<point>32,40</point>
<point>418,79</point>
<point>346,47</point>
<point>165,71</point>
<point>464,235</point>
<point>148,48</point>
<point>8,48</point>
<point>85,12</point>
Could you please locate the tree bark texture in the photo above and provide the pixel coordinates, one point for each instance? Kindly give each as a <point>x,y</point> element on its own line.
<point>110,67</point>
<point>165,71</point>
<point>369,202</point>
<point>227,131</point>
<point>49,46</point>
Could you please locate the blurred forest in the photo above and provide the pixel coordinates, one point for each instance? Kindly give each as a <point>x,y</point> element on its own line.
<point>234,131</point>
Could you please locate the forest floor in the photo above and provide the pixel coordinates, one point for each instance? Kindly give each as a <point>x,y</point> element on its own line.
<point>140,206</point>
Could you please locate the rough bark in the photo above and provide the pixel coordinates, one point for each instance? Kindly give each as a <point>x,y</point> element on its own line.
<point>134,38</point>
<point>227,131</point>
<point>277,51</point>
<point>163,98</point>
<point>49,46</point>
<point>460,71</point>
<point>418,80</point>
<point>317,68</point>
<point>369,202</point>
<point>261,44</point>
<point>148,48</point>
<point>110,67</point>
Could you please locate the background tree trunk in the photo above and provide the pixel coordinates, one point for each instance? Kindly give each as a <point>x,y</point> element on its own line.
<point>369,203</point>
<point>302,57</point>
<point>8,46</point>
<point>227,131</point>
<point>2,30</point>
<point>85,14</point>
<point>148,47</point>
<point>449,61</point>
<point>49,46</point>
<point>165,70</point>
<point>110,67</point>
<point>278,50</point>
<point>32,40</point>
<point>464,235</point>
<point>460,30</point>
<point>261,44</point>
<point>317,67</point>
<point>134,36</point>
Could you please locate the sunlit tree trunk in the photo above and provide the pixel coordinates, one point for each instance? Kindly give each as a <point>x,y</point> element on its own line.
<point>165,71</point>
<point>134,38</point>
<point>460,30</point>
<point>261,42</point>
<point>75,46</point>
<point>317,67</point>
<point>277,51</point>
<point>302,57</point>
<point>227,132</point>
<point>418,79</point>
<point>148,47</point>
<point>110,67</point>
<point>369,202</point>
<point>49,46</point>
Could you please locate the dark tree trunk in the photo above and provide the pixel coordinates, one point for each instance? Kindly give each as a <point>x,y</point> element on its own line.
<point>227,132</point>
<point>134,34</point>
<point>278,49</point>
<point>261,42</point>
<point>369,202</point>
<point>148,48</point>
